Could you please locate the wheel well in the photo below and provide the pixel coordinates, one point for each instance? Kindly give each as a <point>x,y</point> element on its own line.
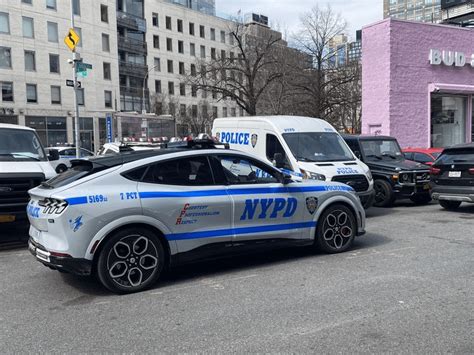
<point>152,229</point>
<point>61,165</point>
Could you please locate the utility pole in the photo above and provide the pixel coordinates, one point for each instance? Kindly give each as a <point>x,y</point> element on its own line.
<point>75,58</point>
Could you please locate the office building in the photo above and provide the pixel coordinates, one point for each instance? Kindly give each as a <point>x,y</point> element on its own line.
<point>414,10</point>
<point>458,12</point>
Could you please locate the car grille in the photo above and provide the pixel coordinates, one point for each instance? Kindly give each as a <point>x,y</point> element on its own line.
<point>14,190</point>
<point>423,176</point>
<point>358,182</point>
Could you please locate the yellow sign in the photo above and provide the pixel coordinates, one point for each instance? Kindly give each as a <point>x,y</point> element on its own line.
<point>72,39</point>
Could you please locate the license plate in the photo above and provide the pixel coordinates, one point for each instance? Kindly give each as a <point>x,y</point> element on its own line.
<point>454,174</point>
<point>5,218</point>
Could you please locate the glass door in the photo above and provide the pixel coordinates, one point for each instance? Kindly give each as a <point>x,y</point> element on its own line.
<point>448,120</point>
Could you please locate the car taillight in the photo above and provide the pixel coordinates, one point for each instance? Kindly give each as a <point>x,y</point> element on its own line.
<point>435,171</point>
<point>471,171</point>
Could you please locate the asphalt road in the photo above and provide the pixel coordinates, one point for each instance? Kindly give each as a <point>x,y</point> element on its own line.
<point>406,287</point>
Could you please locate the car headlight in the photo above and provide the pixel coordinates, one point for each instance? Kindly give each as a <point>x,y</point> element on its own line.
<point>404,178</point>
<point>313,176</point>
<point>369,175</point>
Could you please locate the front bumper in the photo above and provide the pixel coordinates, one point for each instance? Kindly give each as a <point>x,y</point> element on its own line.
<point>407,191</point>
<point>71,265</point>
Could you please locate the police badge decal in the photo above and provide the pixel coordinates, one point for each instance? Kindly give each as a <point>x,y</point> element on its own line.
<point>253,140</point>
<point>218,136</point>
<point>311,204</point>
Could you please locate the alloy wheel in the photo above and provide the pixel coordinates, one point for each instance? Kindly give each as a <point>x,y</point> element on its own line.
<point>337,229</point>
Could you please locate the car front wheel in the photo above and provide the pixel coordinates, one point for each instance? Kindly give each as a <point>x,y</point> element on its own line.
<point>449,205</point>
<point>384,196</point>
<point>131,260</point>
<point>336,229</point>
<point>61,168</point>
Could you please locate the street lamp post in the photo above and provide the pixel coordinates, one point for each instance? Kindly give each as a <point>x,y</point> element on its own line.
<point>143,88</point>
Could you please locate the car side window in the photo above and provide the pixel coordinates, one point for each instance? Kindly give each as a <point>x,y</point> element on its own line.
<point>189,171</point>
<point>422,158</point>
<point>246,171</point>
<point>85,153</point>
<point>273,146</point>
<point>67,152</point>
<point>408,155</point>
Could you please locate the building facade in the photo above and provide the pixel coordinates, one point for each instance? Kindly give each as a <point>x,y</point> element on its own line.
<point>414,10</point>
<point>418,83</point>
<point>458,12</point>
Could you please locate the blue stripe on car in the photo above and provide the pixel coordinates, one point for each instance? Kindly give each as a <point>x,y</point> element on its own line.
<point>81,200</point>
<point>239,231</point>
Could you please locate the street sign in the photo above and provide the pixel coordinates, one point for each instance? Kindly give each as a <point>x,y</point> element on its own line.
<point>71,83</point>
<point>72,39</point>
<point>108,125</point>
<point>82,74</point>
<point>81,66</point>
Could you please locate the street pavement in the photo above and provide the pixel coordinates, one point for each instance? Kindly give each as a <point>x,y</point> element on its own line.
<point>406,287</point>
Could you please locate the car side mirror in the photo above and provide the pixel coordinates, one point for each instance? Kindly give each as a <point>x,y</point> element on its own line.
<point>358,155</point>
<point>286,178</point>
<point>279,160</point>
<point>53,155</point>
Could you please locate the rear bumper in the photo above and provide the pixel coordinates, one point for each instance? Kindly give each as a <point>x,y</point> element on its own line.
<point>75,266</point>
<point>453,193</point>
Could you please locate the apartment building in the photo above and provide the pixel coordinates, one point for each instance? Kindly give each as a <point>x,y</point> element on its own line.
<point>34,67</point>
<point>415,10</point>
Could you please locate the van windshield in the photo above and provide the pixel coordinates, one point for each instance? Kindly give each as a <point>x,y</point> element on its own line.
<point>20,145</point>
<point>318,146</point>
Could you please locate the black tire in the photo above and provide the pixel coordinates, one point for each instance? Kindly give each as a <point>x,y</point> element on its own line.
<point>423,199</point>
<point>135,255</point>
<point>61,168</point>
<point>384,196</point>
<point>450,205</point>
<point>335,233</point>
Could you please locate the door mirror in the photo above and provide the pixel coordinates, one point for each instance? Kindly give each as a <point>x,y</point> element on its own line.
<point>358,155</point>
<point>53,155</point>
<point>278,160</point>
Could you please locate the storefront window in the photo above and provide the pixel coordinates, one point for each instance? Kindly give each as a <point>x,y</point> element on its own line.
<point>448,120</point>
<point>51,130</point>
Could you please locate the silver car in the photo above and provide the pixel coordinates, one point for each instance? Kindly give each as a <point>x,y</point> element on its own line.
<point>127,217</point>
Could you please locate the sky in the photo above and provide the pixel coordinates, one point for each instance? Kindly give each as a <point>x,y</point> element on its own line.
<point>285,14</point>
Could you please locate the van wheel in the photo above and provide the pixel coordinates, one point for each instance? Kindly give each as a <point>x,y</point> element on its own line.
<point>384,196</point>
<point>336,229</point>
<point>450,205</point>
<point>131,261</point>
<point>61,168</point>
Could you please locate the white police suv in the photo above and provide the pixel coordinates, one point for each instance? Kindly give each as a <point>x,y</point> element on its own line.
<point>127,217</point>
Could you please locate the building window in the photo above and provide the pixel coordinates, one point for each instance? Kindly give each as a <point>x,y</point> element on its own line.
<point>224,112</point>
<point>182,89</point>
<point>171,87</point>
<point>215,111</point>
<point>52,32</point>
<point>170,66</point>
<point>223,55</point>
<point>31,95</point>
<point>222,36</point>
<point>193,70</point>
<point>76,7</point>
<point>155,19</point>
<point>241,111</point>
<point>213,53</point>
<point>233,112</point>
<point>51,4</point>
<point>79,33</point>
<point>231,39</point>
<point>169,44</point>
<point>54,63</point>
<point>448,120</point>
<point>105,42</point>
<point>158,86</point>
<point>202,31</point>
<point>104,13</point>
<point>80,97</point>
<point>181,68</point>
<point>7,91</point>
<point>180,47</point>
<point>30,61</point>
<point>28,27</point>
<point>192,49</point>
<point>179,24</point>
<point>5,57</point>
<point>4,23</point>
<point>29,2</point>
<point>168,23</point>
<point>193,90</point>
<point>157,64</point>
<point>156,41</point>
<point>107,71</point>
<point>203,52</point>
<point>213,34</point>
<point>108,98</point>
<point>56,95</point>
<point>191,29</point>
<point>194,111</point>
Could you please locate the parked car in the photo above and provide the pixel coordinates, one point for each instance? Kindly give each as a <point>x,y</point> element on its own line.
<point>23,165</point>
<point>117,148</point>
<point>420,155</point>
<point>66,153</point>
<point>452,176</point>
<point>127,217</point>
<point>394,176</point>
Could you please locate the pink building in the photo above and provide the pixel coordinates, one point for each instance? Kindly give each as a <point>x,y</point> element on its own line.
<point>418,83</point>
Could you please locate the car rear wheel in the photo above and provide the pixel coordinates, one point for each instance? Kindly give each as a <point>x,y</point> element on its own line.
<point>450,205</point>
<point>336,229</point>
<point>131,260</point>
<point>384,196</point>
<point>61,168</point>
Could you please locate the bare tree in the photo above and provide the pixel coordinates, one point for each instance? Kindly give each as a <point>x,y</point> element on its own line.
<point>244,74</point>
<point>198,118</point>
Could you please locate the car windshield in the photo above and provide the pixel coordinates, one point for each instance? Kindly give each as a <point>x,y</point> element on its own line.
<point>318,146</point>
<point>436,155</point>
<point>20,145</point>
<point>379,149</point>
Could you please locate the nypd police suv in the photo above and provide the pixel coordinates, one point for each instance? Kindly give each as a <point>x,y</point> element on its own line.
<point>127,217</point>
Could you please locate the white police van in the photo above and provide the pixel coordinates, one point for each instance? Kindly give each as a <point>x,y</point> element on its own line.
<point>305,147</point>
<point>126,217</point>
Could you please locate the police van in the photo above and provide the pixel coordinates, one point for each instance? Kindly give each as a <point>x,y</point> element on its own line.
<point>305,147</point>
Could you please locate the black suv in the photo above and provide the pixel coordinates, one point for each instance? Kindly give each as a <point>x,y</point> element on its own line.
<point>394,176</point>
<point>452,176</point>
